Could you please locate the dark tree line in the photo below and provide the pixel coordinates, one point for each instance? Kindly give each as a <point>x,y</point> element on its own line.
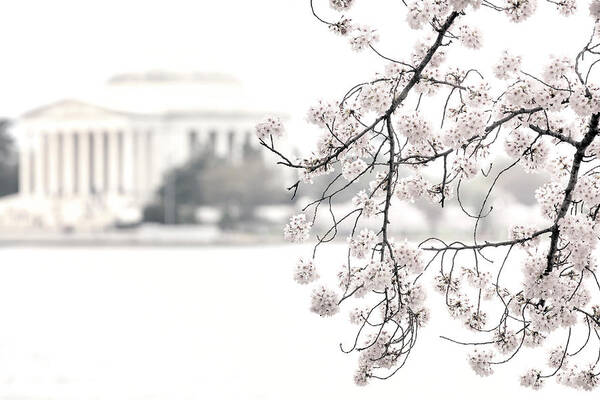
<point>235,189</point>
<point>9,166</point>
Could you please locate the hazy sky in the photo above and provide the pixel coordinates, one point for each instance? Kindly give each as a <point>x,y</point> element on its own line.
<point>66,48</point>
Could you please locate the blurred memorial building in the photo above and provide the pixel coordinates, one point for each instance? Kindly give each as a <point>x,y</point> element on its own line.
<point>86,164</point>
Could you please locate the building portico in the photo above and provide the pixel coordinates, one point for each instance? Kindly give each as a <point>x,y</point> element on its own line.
<point>86,165</point>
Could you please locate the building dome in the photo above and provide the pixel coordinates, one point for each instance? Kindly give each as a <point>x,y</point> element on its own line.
<point>164,92</point>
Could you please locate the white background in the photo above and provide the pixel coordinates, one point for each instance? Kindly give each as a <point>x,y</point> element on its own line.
<point>207,323</point>
<point>211,323</point>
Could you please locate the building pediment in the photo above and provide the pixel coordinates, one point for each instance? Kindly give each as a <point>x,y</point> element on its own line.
<point>72,110</point>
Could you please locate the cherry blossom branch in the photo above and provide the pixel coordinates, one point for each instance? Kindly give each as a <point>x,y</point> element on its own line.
<point>379,129</point>
<point>581,147</point>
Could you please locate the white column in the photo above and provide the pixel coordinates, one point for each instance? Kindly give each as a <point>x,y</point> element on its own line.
<point>36,146</point>
<point>221,143</point>
<point>135,161</point>
<point>144,161</point>
<point>113,163</point>
<point>83,164</point>
<point>31,165</point>
<point>128,162</point>
<point>149,161</point>
<point>99,162</point>
<point>68,164</point>
<point>45,164</point>
<point>121,158</point>
<point>141,163</point>
<point>33,162</point>
<point>52,171</point>
<point>91,165</point>
<point>93,142</point>
<point>202,139</point>
<point>60,161</point>
<point>24,172</point>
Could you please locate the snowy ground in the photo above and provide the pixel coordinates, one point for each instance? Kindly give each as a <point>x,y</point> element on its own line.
<point>204,323</point>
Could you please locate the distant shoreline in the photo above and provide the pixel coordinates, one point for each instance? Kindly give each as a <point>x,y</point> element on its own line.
<point>167,236</point>
<point>125,238</point>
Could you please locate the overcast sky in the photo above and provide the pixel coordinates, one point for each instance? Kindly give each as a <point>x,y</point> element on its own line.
<point>68,48</point>
<point>63,48</point>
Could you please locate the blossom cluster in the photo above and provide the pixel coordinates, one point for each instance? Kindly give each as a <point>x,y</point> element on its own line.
<point>470,37</point>
<point>305,272</point>
<point>298,229</point>
<point>531,151</point>
<point>508,66</point>
<point>271,127</point>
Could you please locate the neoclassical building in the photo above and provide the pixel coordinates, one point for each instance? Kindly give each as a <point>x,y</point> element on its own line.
<point>88,164</point>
